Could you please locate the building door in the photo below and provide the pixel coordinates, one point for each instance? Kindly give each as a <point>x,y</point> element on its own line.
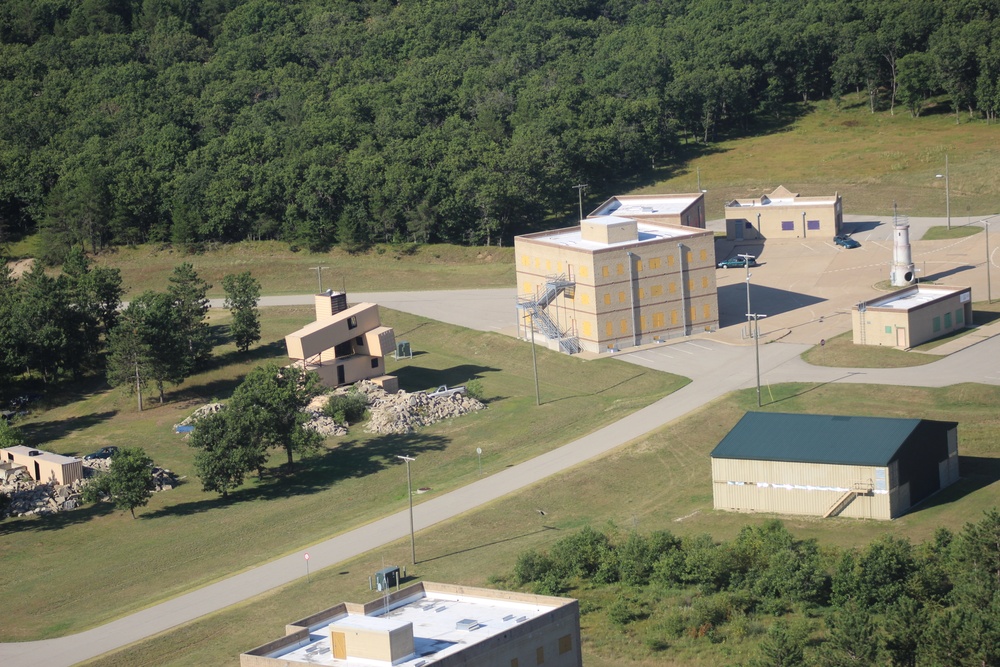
<point>901,337</point>
<point>38,472</point>
<point>339,643</point>
<point>739,227</point>
<point>340,374</point>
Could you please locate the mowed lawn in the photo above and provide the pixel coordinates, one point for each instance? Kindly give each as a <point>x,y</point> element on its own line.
<point>71,571</point>
<point>659,482</point>
<point>872,160</point>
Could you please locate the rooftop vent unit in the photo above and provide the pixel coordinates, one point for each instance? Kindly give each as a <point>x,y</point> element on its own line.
<point>469,624</point>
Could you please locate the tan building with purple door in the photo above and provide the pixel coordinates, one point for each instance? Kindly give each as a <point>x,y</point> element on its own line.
<point>784,215</point>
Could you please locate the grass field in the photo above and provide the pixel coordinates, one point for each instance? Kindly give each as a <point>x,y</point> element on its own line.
<point>660,482</point>
<point>872,160</point>
<point>186,538</point>
<point>943,233</point>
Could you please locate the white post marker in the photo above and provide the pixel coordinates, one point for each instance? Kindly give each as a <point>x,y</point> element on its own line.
<point>307,568</point>
<point>479,452</point>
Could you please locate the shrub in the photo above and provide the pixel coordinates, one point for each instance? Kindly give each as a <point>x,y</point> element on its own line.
<point>624,610</point>
<point>579,555</point>
<point>349,408</point>
<point>531,566</point>
<point>474,389</point>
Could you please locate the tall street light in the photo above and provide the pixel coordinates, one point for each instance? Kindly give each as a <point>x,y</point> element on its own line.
<point>947,190</point>
<point>319,277</point>
<point>409,492</point>
<point>756,336</point>
<point>579,189</point>
<point>746,261</point>
<point>989,285</point>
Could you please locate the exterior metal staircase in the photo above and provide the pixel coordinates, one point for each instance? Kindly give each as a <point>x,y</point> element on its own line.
<point>858,489</point>
<point>535,305</point>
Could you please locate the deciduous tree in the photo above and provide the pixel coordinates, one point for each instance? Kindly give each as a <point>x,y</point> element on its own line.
<point>242,293</point>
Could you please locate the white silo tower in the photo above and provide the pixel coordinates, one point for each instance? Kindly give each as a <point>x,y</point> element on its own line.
<point>903,271</point>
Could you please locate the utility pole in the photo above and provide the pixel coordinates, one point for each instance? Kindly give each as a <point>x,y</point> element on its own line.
<point>746,260</point>
<point>579,189</point>
<point>319,277</point>
<point>947,190</point>
<point>756,337</point>
<point>409,492</point>
<point>534,362</point>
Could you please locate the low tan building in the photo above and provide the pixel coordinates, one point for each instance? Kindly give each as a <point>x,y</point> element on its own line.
<point>344,345</point>
<point>433,624</point>
<point>687,210</point>
<point>822,465</point>
<point>912,316</point>
<point>615,282</point>
<point>784,215</point>
<point>44,467</point>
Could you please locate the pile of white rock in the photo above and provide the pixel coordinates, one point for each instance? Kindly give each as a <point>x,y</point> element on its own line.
<point>205,410</point>
<point>28,498</point>
<point>403,412</point>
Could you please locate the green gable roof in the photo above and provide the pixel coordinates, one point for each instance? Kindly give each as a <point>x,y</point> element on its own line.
<point>770,436</point>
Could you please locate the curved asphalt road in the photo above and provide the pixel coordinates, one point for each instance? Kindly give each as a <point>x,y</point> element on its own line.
<point>715,369</point>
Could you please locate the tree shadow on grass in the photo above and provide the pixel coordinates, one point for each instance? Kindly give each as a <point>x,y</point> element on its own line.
<point>258,354</point>
<point>350,458</point>
<point>38,433</point>
<point>417,378</point>
<point>56,521</point>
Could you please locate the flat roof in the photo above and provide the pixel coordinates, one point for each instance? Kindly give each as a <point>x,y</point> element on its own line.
<point>646,205</point>
<point>443,624</point>
<point>570,237</point>
<point>41,455</point>
<point>784,201</point>
<point>918,295</point>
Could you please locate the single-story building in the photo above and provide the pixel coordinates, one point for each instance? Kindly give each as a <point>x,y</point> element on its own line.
<point>784,215</point>
<point>687,210</point>
<point>912,316</point>
<point>824,465</point>
<point>432,624</point>
<point>44,467</point>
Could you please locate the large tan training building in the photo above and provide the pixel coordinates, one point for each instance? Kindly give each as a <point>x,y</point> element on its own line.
<point>912,316</point>
<point>615,282</point>
<point>345,344</point>
<point>433,624</point>
<point>687,210</point>
<point>823,465</point>
<point>784,215</point>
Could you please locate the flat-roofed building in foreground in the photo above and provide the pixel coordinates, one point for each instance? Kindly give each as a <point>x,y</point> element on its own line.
<point>912,316</point>
<point>784,215</point>
<point>616,282</point>
<point>822,465</point>
<point>687,210</point>
<point>433,624</point>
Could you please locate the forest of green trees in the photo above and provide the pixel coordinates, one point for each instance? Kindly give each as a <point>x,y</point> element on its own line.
<point>353,121</point>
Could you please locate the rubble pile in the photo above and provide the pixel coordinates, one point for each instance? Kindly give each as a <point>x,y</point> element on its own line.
<point>404,413</point>
<point>28,498</point>
<point>324,425</point>
<point>209,409</point>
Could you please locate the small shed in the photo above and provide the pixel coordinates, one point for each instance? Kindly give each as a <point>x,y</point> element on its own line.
<point>823,465</point>
<point>44,467</point>
<point>911,316</point>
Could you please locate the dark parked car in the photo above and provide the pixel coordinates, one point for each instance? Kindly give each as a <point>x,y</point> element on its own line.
<point>102,453</point>
<point>845,241</point>
<point>736,263</point>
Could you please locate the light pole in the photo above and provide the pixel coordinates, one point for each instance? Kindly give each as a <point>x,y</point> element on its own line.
<point>579,189</point>
<point>631,295</point>
<point>534,362</point>
<point>319,277</point>
<point>409,492</point>
<point>989,286</point>
<point>947,190</point>
<point>698,170</point>
<point>756,337</point>
<point>746,260</point>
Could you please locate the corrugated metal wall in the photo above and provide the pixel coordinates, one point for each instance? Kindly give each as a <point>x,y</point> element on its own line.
<point>784,488</point>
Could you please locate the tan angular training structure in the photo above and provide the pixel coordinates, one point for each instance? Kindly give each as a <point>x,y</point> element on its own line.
<point>44,467</point>
<point>344,345</point>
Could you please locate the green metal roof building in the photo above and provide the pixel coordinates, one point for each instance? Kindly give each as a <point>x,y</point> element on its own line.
<point>825,465</point>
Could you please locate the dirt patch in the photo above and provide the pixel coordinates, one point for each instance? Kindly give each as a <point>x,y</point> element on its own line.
<point>19,267</point>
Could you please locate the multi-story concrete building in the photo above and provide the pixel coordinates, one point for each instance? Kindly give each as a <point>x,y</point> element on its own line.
<point>687,210</point>
<point>616,282</point>
<point>912,316</point>
<point>433,624</point>
<point>784,215</point>
<point>344,345</point>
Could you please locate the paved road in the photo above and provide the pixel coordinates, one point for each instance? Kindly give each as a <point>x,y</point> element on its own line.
<point>716,368</point>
